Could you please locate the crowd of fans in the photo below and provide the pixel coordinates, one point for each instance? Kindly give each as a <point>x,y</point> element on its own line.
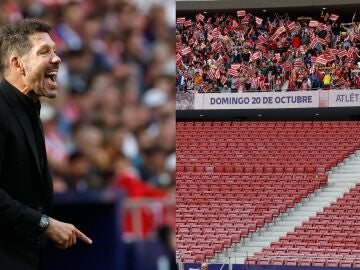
<point>243,52</point>
<point>113,122</point>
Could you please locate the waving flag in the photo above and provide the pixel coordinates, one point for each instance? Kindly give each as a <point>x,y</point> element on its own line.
<point>351,52</point>
<point>223,80</point>
<point>333,17</point>
<point>180,20</point>
<point>291,26</point>
<point>241,13</point>
<point>254,56</point>
<point>340,81</point>
<point>313,23</point>
<point>298,62</point>
<point>235,66</point>
<point>302,49</point>
<point>200,17</point>
<point>258,20</point>
<point>187,23</point>
<point>233,72</point>
<point>215,33</point>
<point>342,53</point>
<point>217,74</point>
<point>178,58</point>
<point>321,60</point>
<point>186,51</point>
<point>211,74</point>
<point>235,24</point>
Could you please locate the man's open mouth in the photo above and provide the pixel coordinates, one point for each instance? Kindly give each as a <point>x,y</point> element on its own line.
<point>51,75</point>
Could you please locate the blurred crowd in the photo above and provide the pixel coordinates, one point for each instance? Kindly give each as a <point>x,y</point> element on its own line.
<point>113,122</point>
<point>245,52</point>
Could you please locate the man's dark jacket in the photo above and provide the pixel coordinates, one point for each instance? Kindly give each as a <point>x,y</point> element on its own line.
<point>25,189</point>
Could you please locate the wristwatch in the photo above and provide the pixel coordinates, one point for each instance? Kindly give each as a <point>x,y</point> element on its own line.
<point>44,223</point>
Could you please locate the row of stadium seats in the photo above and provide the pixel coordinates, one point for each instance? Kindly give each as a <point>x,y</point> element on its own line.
<point>334,233</point>
<point>226,192</point>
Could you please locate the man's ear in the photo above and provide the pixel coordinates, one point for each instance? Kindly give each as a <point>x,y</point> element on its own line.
<point>16,64</point>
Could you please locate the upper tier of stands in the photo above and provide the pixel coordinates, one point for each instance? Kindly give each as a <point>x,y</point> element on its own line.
<point>247,52</point>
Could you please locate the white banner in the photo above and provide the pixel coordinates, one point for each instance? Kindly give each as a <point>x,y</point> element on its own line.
<point>258,100</point>
<point>344,98</point>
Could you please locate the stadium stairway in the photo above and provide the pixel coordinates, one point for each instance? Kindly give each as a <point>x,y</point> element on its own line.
<point>341,179</point>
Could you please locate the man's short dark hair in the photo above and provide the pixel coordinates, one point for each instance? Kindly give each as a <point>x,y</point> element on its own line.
<point>15,37</point>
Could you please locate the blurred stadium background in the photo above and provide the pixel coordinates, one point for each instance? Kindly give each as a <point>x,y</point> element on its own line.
<point>110,134</point>
<point>267,177</point>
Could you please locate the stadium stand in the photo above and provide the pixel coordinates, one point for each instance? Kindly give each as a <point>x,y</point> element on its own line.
<point>239,51</point>
<point>328,239</point>
<point>234,178</point>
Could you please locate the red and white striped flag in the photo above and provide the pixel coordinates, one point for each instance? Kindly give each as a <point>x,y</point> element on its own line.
<point>330,57</point>
<point>302,49</point>
<point>342,53</point>
<point>178,58</point>
<point>217,74</point>
<point>340,81</point>
<point>200,17</point>
<point>317,40</point>
<point>241,13</point>
<point>215,33</point>
<point>218,47</point>
<point>202,46</point>
<point>313,23</point>
<point>235,24</point>
<point>207,88</point>
<point>235,66</point>
<point>332,51</point>
<point>245,20</point>
<point>321,60</point>
<point>223,80</point>
<point>180,20</point>
<point>186,51</point>
<point>187,23</point>
<point>191,42</point>
<point>211,74</point>
<point>351,52</point>
<point>209,37</point>
<point>262,39</point>
<point>233,72</point>
<point>262,85</point>
<point>254,56</point>
<point>272,26</point>
<point>313,59</point>
<point>291,26</point>
<point>178,46</point>
<point>298,62</point>
<point>333,17</point>
<point>258,20</point>
<point>280,30</point>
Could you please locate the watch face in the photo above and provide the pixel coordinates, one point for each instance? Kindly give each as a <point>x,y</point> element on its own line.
<point>44,222</point>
